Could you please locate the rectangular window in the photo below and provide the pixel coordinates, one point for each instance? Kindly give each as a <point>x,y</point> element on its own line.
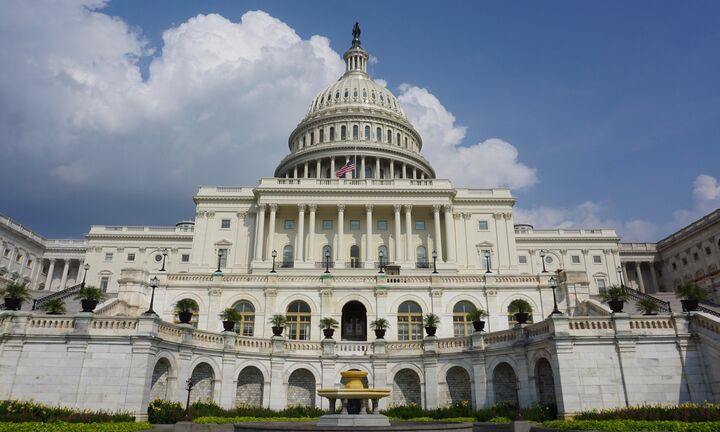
<point>104,281</point>
<point>354,225</point>
<point>696,256</point>
<point>684,260</point>
<point>597,259</point>
<point>225,224</point>
<point>600,284</point>
<point>708,251</point>
<point>522,259</point>
<point>223,257</point>
<point>483,225</point>
<point>289,224</point>
<point>674,265</point>
<point>322,136</point>
<point>185,258</point>
<point>131,257</point>
<point>575,259</point>
<point>327,225</point>
<point>29,263</point>
<point>108,256</point>
<point>419,225</point>
<point>6,253</point>
<point>382,225</point>
<point>18,258</point>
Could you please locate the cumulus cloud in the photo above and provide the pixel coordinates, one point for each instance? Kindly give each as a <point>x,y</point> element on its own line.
<point>491,163</point>
<point>217,106</point>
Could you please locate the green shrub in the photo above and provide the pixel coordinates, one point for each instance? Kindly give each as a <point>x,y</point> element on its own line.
<point>500,420</point>
<point>633,425</point>
<point>73,427</point>
<point>164,412</point>
<point>245,419</point>
<point>535,412</point>
<point>30,411</point>
<point>687,412</point>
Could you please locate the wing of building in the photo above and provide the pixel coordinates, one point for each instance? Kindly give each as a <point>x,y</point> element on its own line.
<point>386,239</point>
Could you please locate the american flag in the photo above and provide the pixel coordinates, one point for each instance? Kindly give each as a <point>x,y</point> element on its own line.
<point>349,166</point>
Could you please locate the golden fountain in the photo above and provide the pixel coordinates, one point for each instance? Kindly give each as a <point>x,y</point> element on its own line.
<point>352,393</point>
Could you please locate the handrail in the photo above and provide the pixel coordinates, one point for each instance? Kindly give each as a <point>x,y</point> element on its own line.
<point>57,295</point>
<point>637,295</point>
<point>701,308</point>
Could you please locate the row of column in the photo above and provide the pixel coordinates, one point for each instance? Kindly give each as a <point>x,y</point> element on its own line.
<point>637,265</point>
<point>404,170</point>
<point>264,247</point>
<point>65,272</point>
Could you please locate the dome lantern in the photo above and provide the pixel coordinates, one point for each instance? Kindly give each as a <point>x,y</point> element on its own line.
<point>356,57</point>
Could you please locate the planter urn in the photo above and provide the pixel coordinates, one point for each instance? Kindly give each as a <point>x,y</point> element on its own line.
<point>688,305</point>
<point>185,317</point>
<point>277,331</point>
<point>88,305</point>
<point>430,331</point>
<point>380,333</point>
<point>479,325</point>
<point>522,317</point>
<point>616,305</point>
<point>228,325</point>
<point>12,304</point>
<point>328,333</point>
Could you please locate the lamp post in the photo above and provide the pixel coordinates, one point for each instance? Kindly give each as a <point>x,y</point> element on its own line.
<point>381,254</point>
<point>274,255</point>
<point>327,261</point>
<point>542,258</point>
<point>153,285</point>
<point>434,255</point>
<point>220,255</point>
<point>553,285</point>
<point>487,261</point>
<point>164,252</point>
<point>86,267</point>
<point>620,273</point>
<point>188,386</point>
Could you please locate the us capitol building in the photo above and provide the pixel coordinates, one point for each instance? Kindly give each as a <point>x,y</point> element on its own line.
<point>386,239</point>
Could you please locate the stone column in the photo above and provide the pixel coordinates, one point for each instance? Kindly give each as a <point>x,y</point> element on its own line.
<point>318,167</point>
<point>340,253</point>
<point>240,252</point>
<point>300,255</point>
<point>638,269</point>
<point>398,241</point>
<point>48,279</point>
<point>414,173</point>
<point>392,169</point>
<point>377,168</point>
<point>449,234</point>
<point>310,256</point>
<point>437,246</point>
<point>332,167</point>
<point>408,233</point>
<point>362,167</point>
<point>653,276</point>
<point>271,231</point>
<point>11,258</point>
<point>63,281</point>
<point>404,171</point>
<point>295,173</point>
<point>305,170</point>
<point>260,240</point>
<point>369,255</point>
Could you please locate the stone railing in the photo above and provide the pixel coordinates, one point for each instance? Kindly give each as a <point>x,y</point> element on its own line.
<point>707,325</point>
<point>354,348</point>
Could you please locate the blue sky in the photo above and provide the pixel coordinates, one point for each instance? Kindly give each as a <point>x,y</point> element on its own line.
<point>614,105</point>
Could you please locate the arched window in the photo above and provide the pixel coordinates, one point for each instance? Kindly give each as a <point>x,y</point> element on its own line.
<point>288,257</point>
<point>409,321</point>
<point>378,134</point>
<point>398,139</point>
<point>516,306</point>
<point>298,320</point>
<point>332,133</point>
<point>312,139</point>
<point>322,136</point>
<point>346,94</point>
<point>384,250</point>
<point>325,250</point>
<point>462,326</point>
<point>421,257</point>
<point>406,142</point>
<point>343,132</point>
<point>246,325</point>
<point>354,256</point>
<point>367,133</point>
<point>389,137</point>
<point>355,132</point>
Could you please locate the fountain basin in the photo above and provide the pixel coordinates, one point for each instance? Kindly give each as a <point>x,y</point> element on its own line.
<point>359,404</point>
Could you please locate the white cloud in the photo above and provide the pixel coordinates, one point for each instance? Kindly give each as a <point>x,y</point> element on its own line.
<point>491,163</point>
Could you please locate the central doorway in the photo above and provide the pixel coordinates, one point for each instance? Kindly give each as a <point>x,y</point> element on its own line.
<point>354,322</point>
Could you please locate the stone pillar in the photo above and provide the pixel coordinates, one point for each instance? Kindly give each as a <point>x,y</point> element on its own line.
<point>310,256</point>
<point>625,280</point>
<point>392,169</point>
<point>404,171</point>
<point>430,363</point>
<point>271,231</point>
<point>63,281</point>
<point>278,395</point>
<point>362,167</point>
<point>318,168</point>
<point>408,234</point>
<point>377,168</point>
<point>259,241</point>
<point>415,173</point>
<point>49,278</point>
<point>295,173</point>
<point>369,255</point>
<point>449,234</point>
<point>398,241</point>
<point>305,170</point>
<point>300,254</point>
<point>437,241</point>
<point>240,253</point>
<point>653,276</point>
<point>638,269</point>
<point>332,167</point>
<point>340,253</point>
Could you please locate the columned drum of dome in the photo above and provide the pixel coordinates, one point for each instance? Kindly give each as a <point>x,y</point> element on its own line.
<point>355,119</point>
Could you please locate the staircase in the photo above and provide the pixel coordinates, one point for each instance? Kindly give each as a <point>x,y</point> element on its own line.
<point>667,301</point>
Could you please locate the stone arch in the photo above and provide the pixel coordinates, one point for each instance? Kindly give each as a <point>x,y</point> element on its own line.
<point>458,385</point>
<point>409,297</point>
<point>302,297</point>
<point>301,388</point>
<point>340,303</point>
<point>516,296</point>
<point>505,384</point>
<point>159,387</point>
<point>356,366</point>
<point>203,377</point>
<point>544,381</point>
<point>185,294</point>
<point>406,388</point>
<point>250,386</point>
<point>477,301</point>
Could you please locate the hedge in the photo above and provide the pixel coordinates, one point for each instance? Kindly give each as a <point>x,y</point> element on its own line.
<point>535,412</point>
<point>687,412</point>
<point>168,412</point>
<point>73,427</point>
<point>31,411</point>
<point>633,425</point>
<point>225,420</point>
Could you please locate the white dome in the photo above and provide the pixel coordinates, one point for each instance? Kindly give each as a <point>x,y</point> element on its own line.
<point>356,90</point>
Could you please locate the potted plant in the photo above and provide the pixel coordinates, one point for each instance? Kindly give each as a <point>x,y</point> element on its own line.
<point>691,294</point>
<point>647,306</point>
<point>521,310</point>
<point>615,296</point>
<point>379,326</point>
<point>278,322</point>
<point>54,307</point>
<point>431,322</point>
<point>185,309</point>
<point>476,316</point>
<point>329,325</point>
<point>89,297</point>
<point>15,294</point>
<point>229,316</point>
